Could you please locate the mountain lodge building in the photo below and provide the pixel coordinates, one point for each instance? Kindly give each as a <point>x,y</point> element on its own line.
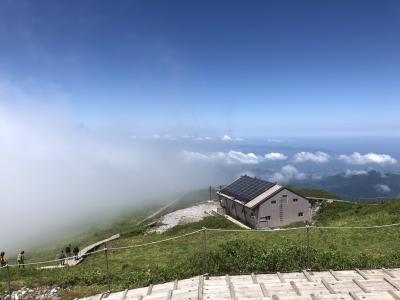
<point>261,204</point>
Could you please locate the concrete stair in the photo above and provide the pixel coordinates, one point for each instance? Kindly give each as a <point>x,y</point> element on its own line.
<point>378,284</point>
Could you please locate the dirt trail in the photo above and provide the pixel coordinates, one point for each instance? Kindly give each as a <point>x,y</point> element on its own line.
<point>158,211</point>
<point>187,215</point>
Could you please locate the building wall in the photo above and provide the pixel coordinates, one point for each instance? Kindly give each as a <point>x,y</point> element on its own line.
<point>280,213</point>
<point>222,201</point>
<point>284,211</point>
<point>239,211</point>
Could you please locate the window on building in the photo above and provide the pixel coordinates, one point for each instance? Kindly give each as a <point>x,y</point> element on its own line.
<point>300,214</point>
<point>273,201</point>
<point>295,200</point>
<point>252,214</point>
<point>265,219</point>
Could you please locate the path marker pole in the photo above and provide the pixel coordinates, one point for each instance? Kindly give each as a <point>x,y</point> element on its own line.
<point>205,253</point>
<point>107,268</point>
<point>308,246</point>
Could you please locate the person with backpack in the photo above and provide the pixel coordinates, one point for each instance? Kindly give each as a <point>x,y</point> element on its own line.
<point>61,257</point>
<point>68,250</point>
<point>3,261</point>
<point>76,251</point>
<point>21,259</point>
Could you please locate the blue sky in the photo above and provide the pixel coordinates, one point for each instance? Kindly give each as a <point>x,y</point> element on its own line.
<point>259,68</point>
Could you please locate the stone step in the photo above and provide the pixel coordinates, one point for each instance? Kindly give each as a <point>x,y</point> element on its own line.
<point>379,284</point>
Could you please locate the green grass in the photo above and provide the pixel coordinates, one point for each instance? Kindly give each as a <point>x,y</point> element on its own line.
<point>233,252</point>
<point>346,213</point>
<point>313,193</point>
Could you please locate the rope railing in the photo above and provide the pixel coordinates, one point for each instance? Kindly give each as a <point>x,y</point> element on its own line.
<point>208,229</point>
<point>357,227</point>
<point>256,231</point>
<point>52,260</point>
<point>155,242</point>
<point>308,229</point>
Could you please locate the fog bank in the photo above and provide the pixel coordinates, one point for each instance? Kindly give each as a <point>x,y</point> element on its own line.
<point>55,173</point>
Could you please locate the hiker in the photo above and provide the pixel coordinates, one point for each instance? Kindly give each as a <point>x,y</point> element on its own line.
<point>68,250</point>
<point>3,261</point>
<point>76,251</point>
<point>61,257</point>
<point>21,259</point>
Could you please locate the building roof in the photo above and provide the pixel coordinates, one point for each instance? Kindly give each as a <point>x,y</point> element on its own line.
<point>264,196</point>
<point>247,188</point>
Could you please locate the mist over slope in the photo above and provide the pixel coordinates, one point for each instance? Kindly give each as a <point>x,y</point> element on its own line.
<point>56,174</point>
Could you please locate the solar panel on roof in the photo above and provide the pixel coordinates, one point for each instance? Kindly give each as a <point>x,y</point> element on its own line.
<point>247,188</point>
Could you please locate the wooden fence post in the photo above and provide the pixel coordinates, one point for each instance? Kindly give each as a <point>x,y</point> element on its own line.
<point>107,267</point>
<point>308,246</point>
<point>205,252</point>
<point>8,280</point>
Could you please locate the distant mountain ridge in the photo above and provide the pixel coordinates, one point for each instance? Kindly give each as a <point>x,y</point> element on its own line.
<point>370,186</point>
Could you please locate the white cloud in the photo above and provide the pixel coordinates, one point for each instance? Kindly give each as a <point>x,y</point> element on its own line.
<point>286,174</point>
<point>207,138</point>
<point>153,137</point>
<point>317,176</point>
<point>187,136</point>
<point>195,156</point>
<point>349,173</point>
<point>275,156</point>
<point>230,158</point>
<point>234,157</point>
<point>229,138</point>
<point>163,136</point>
<point>383,188</point>
<point>318,157</point>
<point>371,158</point>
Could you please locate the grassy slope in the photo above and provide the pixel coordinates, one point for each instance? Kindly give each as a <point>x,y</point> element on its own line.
<point>235,252</point>
<point>126,226</point>
<point>345,213</point>
<point>313,193</point>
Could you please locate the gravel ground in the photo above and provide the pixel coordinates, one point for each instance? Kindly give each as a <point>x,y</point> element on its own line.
<point>39,293</point>
<point>186,215</point>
